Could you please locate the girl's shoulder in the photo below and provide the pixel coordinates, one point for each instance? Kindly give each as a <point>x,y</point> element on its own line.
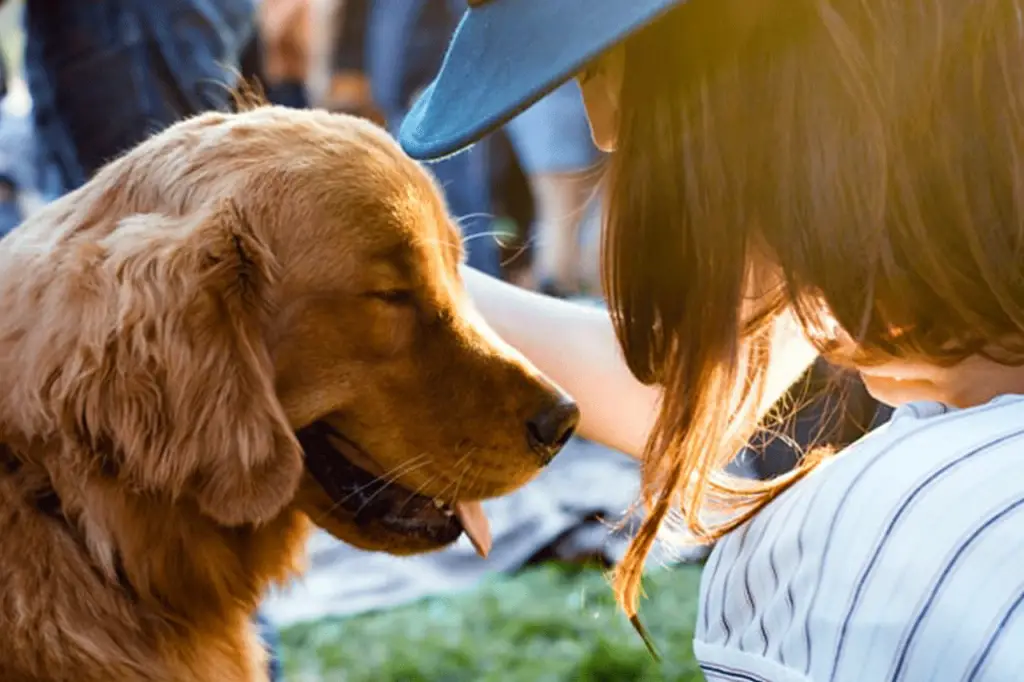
<point>906,545</point>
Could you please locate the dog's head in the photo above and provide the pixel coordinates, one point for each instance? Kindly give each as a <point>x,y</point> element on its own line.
<point>255,311</point>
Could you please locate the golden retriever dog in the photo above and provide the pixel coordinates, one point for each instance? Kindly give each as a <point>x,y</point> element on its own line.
<point>248,323</point>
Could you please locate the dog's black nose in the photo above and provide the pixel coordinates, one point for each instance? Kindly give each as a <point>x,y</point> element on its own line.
<point>552,427</point>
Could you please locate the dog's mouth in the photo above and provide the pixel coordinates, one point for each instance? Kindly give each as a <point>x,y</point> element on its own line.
<point>370,499</point>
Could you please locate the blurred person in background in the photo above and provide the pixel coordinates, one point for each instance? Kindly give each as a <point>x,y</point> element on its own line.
<point>104,75</point>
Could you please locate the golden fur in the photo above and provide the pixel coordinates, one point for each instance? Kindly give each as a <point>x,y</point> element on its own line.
<point>168,328</point>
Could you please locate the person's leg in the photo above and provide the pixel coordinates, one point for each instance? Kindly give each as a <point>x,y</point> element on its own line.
<point>561,206</point>
<point>283,31</point>
<point>590,248</point>
<point>285,91</point>
<point>552,141</point>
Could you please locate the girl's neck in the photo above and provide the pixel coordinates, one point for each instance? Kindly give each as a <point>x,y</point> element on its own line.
<point>975,381</point>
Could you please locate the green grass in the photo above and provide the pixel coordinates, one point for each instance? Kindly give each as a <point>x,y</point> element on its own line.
<point>550,624</point>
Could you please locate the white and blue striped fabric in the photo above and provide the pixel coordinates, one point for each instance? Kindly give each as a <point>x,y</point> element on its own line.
<point>901,559</point>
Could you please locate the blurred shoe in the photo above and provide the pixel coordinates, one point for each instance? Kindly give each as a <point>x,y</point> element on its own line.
<point>549,287</point>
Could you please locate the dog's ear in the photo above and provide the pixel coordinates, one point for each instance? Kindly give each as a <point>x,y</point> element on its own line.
<point>170,374</point>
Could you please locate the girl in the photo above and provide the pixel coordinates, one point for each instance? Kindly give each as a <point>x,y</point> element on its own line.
<point>848,170</point>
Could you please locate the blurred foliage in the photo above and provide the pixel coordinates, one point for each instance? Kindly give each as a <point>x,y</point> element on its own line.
<point>549,624</point>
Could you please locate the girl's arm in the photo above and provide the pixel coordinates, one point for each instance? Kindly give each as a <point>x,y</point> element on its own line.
<point>575,345</point>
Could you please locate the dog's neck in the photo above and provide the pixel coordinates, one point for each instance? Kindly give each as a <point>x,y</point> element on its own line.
<point>42,497</point>
<point>167,561</point>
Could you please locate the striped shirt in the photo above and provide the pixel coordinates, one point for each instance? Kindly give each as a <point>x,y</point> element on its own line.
<point>902,559</point>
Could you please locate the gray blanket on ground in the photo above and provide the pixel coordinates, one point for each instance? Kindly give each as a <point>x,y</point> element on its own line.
<point>575,508</point>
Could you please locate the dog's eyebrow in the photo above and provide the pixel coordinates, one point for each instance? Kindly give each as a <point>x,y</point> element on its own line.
<point>398,256</point>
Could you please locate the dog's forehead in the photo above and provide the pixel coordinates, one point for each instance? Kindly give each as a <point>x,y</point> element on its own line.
<point>423,232</point>
<point>394,233</point>
<point>337,192</point>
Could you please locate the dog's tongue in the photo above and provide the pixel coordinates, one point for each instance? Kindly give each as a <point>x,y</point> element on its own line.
<point>475,523</point>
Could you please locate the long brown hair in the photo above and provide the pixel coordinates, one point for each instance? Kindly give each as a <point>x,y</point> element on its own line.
<point>856,158</point>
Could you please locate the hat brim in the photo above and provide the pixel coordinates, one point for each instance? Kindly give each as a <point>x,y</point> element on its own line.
<point>507,54</point>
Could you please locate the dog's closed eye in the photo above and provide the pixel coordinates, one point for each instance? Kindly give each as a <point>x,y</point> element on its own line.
<point>397,297</point>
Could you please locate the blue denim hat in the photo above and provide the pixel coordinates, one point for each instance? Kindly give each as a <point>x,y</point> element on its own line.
<point>507,54</point>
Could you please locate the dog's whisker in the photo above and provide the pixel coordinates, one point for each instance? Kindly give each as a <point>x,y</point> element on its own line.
<point>465,466</point>
<point>403,468</point>
<point>383,482</point>
<point>454,483</point>
<point>518,252</point>
<point>391,476</point>
<point>406,467</point>
<point>416,493</point>
<point>445,489</point>
<point>491,234</point>
<point>476,476</point>
<point>440,495</point>
<point>497,235</point>
<point>385,486</point>
<point>470,216</point>
<point>463,472</point>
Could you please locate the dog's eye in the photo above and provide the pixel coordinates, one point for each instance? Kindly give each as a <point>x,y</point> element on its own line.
<point>393,296</point>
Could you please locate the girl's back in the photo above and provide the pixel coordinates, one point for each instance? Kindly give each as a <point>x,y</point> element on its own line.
<point>893,561</point>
